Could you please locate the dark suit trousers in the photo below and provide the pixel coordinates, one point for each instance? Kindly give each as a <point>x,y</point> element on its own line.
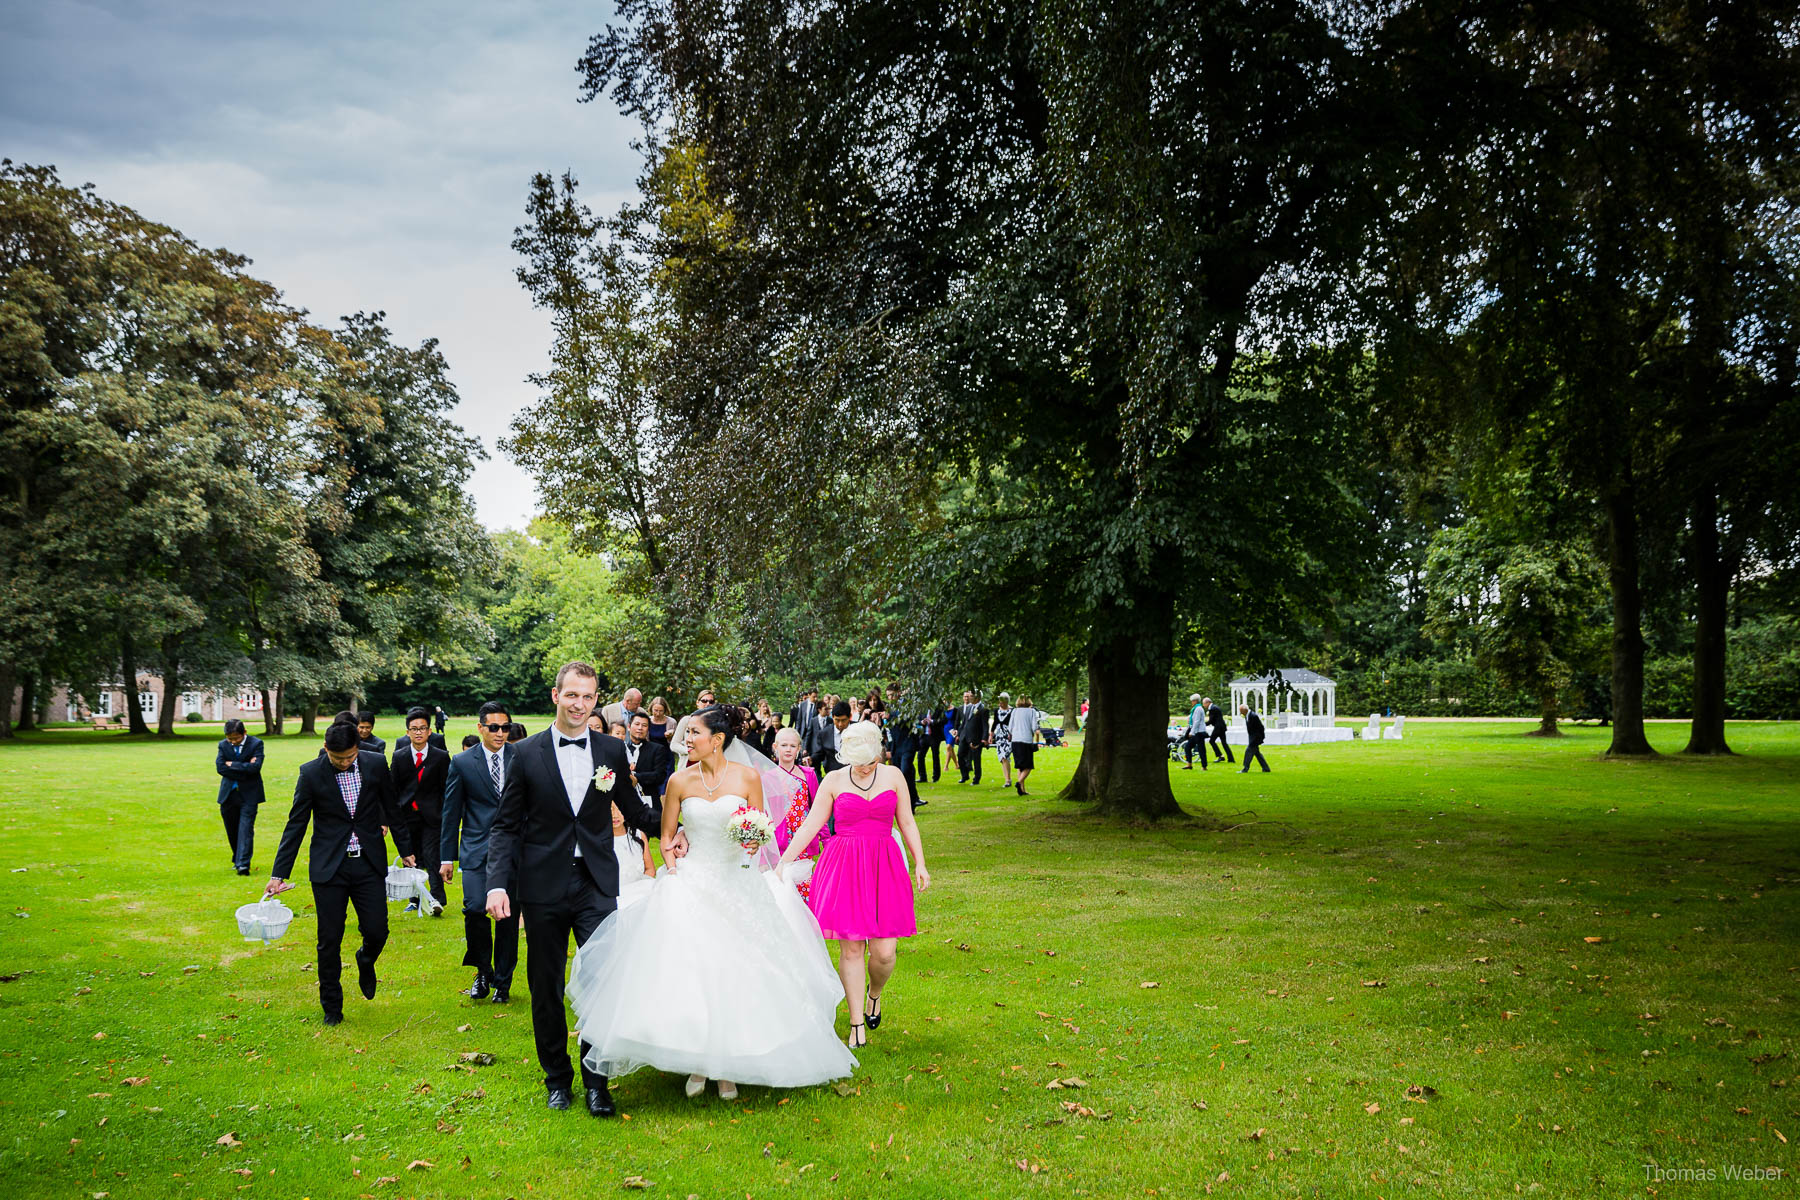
<point>492,949</point>
<point>1253,753</point>
<point>1218,739</point>
<point>968,757</point>
<point>425,831</point>
<point>240,827</point>
<point>1191,739</point>
<point>547,930</point>
<point>362,882</point>
<point>905,750</point>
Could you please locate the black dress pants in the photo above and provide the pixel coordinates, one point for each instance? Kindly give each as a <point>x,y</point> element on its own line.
<point>425,827</point>
<point>968,758</point>
<point>240,828</point>
<point>547,929</point>
<point>491,947</point>
<point>361,882</point>
<point>1253,753</point>
<point>1217,740</point>
<point>905,750</point>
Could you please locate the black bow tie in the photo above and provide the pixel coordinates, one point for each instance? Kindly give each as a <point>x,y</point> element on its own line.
<point>563,741</point>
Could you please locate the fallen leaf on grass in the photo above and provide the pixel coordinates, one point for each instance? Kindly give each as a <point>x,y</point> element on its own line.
<point>387,1179</point>
<point>229,1140</point>
<point>137,1081</point>
<point>1371,1108</point>
<point>1029,1168</point>
<point>1592,940</point>
<point>480,1058</point>
<point>464,1028</point>
<point>1421,1092</point>
<point>246,1172</point>
<point>1374,983</point>
<point>843,1089</point>
<point>419,1164</point>
<point>637,1182</point>
<point>1255,1135</point>
<point>1073,1081</point>
<point>1149,984</point>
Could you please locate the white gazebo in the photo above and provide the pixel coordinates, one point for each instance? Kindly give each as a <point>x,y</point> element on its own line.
<point>1306,708</point>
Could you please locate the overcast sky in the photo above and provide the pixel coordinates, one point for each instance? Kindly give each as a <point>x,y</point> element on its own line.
<point>365,155</point>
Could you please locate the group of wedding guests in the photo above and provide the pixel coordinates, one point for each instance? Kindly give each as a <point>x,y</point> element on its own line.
<point>551,833</point>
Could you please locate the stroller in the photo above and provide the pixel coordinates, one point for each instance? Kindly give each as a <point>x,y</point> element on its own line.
<point>1052,737</point>
<point>1177,739</point>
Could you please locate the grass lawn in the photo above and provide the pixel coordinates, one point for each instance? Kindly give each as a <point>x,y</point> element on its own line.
<point>1587,966</point>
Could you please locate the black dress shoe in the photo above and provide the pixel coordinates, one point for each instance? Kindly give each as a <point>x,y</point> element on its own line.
<point>600,1102</point>
<point>479,989</point>
<point>502,994</point>
<point>243,870</point>
<point>334,1018</point>
<point>559,1098</point>
<point>365,979</point>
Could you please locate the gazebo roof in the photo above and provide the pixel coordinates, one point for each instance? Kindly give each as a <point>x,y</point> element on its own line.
<point>1292,676</point>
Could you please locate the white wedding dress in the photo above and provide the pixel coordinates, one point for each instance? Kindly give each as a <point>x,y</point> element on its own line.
<point>720,970</point>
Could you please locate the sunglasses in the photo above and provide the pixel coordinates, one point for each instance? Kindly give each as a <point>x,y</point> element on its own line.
<point>493,728</point>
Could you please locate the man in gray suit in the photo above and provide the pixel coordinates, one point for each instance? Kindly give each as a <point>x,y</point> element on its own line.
<point>471,800</point>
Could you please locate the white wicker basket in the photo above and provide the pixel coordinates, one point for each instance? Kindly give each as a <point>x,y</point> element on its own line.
<point>403,881</point>
<point>265,920</point>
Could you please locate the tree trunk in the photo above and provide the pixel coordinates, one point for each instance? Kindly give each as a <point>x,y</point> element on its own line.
<point>1628,737</point>
<point>280,708</point>
<point>7,672</point>
<point>309,716</point>
<point>27,702</point>
<point>1124,767</point>
<point>134,711</point>
<point>1071,702</point>
<point>1712,577</point>
<point>1547,711</point>
<point>268,712</point>
<point>171,681</point>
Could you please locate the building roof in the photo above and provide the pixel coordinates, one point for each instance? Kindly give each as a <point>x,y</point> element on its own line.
<point>1292,676</point>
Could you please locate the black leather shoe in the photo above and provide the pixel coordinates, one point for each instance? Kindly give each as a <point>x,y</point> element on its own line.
<point>600,1102</point>
<point>502,994</point>
<point>243,870</point>
<point>365,979</point>
<point>559,1099</point>
<point>334,1018</point>
<point>479,989</point>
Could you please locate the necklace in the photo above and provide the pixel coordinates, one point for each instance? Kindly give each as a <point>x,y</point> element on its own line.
<point>717,779</point>
<point>863,787</point>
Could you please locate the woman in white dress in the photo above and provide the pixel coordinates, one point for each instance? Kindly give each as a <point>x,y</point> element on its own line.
<point>720,972</point>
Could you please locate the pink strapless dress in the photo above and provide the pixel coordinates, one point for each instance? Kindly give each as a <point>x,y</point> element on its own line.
<point>861,888</point>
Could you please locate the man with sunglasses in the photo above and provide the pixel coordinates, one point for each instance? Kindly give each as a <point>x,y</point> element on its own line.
<point>471,801</point>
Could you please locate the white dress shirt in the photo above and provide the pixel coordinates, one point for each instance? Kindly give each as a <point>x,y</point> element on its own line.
<point>577,766</point>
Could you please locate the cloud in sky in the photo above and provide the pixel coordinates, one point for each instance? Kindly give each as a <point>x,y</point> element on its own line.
<point>366,156</point>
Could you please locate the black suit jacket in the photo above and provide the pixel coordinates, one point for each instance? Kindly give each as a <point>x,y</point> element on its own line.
<point>1253,728</point>
<point>374,745</point>
<point>241,765</point>
<point>1215,719</point>
<point>470,806</point>
<point>413,793</point>
<point>317,798</point>
<point>972,729</point>
<point>654,766</point>
<point>531,849</point>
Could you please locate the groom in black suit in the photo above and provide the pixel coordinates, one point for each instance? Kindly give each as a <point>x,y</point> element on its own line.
<point>348,796</point>
<point>472,791</point>
<point>552,844</point>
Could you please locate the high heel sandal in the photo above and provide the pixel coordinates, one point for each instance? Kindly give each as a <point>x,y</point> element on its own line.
<point>695,1085</point>
<point>853,1041</point>
<point>725,1095</point>
<point>872,1012</point>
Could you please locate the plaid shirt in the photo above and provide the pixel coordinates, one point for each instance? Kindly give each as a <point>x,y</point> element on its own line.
<point>350,788</point>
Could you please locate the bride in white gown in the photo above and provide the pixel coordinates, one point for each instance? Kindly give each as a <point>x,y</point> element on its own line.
<point>720,972</point>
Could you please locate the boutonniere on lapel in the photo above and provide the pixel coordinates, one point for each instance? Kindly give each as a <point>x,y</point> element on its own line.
<point>604,779</point>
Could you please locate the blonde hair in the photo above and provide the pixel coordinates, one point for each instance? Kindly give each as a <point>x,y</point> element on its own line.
<point>787,734</point>
<point>860,744</point>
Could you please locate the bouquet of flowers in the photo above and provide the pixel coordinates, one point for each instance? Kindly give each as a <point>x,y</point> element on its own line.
<point>751,829</point>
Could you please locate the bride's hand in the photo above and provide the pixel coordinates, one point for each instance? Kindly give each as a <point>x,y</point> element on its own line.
<point>924,879</point>
<point>678,845</point>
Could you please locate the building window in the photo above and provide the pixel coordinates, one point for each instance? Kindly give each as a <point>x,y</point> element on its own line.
<point>193,702</point>
<point>103,707</point>
<point>147,702</point>
<point>249,700</point>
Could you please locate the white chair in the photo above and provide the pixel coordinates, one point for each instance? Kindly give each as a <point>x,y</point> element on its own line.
<point>1372,731</point>
<point>1394,732</point>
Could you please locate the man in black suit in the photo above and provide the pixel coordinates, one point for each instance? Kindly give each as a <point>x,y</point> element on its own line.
<point>651,764</point>
<point>1215,723</point>
<point>971,735</point>
<point>930,728</point>
<point>348,797</point>
<point>420,770</point>
<point>829,738</point>
<point>240,764</point>
<point>905,743</point>
<point>472,790</point>
<point>1253,733</point>
<point>802,718</point>
<point>552,843</point>
<point>365,729</point>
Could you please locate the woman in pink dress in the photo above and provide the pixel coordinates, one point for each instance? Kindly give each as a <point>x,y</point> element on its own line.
<point>788,791</point>
<point>861,893</point>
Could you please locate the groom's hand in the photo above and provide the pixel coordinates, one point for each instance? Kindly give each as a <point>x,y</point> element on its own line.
<point>678,845</point>
<point>497,906</point>
<point>276,887</point>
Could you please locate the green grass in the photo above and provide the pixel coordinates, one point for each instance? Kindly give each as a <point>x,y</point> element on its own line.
<point>1412,913</point>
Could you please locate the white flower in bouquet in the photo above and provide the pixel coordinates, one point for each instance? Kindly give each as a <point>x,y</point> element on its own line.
<point>604,779</point>
<point>751,829</point>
